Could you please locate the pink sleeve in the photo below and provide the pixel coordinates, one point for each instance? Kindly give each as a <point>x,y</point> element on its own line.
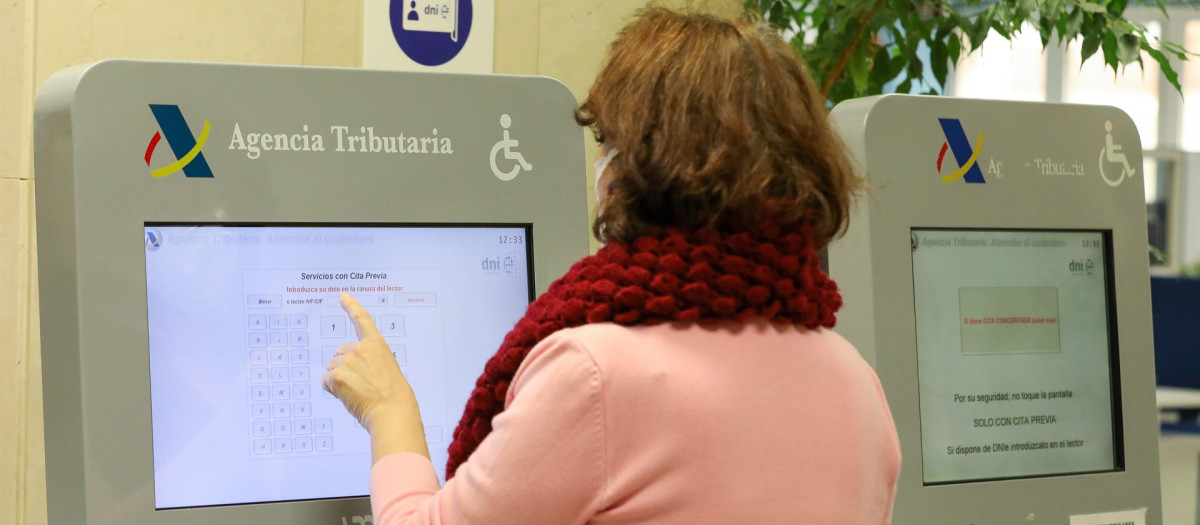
<point>893,473</point>
<point>543,462</point>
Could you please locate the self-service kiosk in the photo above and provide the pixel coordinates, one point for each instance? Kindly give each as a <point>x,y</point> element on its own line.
<point>196,224</point>
<point>996,276</point>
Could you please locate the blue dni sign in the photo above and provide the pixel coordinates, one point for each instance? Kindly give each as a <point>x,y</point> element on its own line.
<point>431,32</point>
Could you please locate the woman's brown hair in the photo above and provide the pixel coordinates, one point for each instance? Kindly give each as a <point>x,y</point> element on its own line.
<point>717,122</point>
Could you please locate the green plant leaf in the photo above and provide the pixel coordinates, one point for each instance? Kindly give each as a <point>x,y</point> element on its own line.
<point>1165,65</point>
<point>1128,48</point>
<point>1045,30</point>
<point>978,32</point>
<point>890,47</point>
<point>859,67</point>
<point>789,9</point>
<point>1052,10</point>
<point>1158,254</point>
<point>842,20</point>
<point>939,61</point>
<point>1162,8</point>
<point>1001,26</point>
<point>1091,42</point>
<point>1074,25</point>
<point>1175,49</point>
<point>1095,23</point>
<point>954,48</point>
<point>1109,43</point>
<point>817,17</point>
<point>1191,271</point>
<point>776,15</point>
<point>898,65</point>
<point>1122,27</point>
<point>881,66</point>
<point>841,91</point>
<point>916,69</point>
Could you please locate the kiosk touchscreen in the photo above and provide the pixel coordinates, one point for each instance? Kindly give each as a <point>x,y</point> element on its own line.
<point>197,224</point>
<point>996,276</point>
<point>242,320</point>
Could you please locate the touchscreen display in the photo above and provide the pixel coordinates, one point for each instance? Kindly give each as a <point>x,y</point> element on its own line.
<point>242,320</point>
<point>1015,351</point>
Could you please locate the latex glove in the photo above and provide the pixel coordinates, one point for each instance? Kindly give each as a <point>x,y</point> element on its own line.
<point>366,377</point>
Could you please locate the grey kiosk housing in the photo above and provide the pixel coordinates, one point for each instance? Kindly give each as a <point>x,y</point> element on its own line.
<point>96,193</point>
<point>996,277</point>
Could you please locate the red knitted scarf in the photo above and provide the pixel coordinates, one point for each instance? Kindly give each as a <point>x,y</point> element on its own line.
<point>701,277</point>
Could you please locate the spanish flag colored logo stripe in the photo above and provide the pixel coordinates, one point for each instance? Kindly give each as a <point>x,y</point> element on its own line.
<point>186,146</point>
<point>966,156</point>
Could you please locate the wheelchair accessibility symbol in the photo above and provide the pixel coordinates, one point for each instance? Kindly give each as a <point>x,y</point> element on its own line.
<point>1111,154</point>
<point>509,146</point>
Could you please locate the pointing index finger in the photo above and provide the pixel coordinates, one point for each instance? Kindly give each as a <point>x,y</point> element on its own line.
<point>363,324</point>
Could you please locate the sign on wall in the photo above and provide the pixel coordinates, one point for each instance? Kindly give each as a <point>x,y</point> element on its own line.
<point>429,35</point>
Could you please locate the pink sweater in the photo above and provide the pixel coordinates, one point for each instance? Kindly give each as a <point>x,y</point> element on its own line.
<point>670,424</point>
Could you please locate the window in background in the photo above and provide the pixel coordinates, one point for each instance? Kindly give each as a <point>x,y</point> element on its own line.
<point>1160,175</point>
<point>1004,70</point>
<point>1135,90</point>
<point>1189,139</point>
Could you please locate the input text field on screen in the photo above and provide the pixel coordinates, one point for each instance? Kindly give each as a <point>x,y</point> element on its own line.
<point>366,300</point>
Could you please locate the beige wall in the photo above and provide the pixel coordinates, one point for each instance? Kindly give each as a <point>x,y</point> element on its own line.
<point>565,39</point>
<point>39,38</point>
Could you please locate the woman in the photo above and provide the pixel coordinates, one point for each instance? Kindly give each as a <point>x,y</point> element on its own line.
<point>685,373</point>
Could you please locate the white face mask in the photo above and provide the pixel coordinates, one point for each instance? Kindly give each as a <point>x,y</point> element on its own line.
<point>600,165</point>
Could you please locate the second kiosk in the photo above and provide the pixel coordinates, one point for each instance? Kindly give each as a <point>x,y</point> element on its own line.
<point>996,275</point>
